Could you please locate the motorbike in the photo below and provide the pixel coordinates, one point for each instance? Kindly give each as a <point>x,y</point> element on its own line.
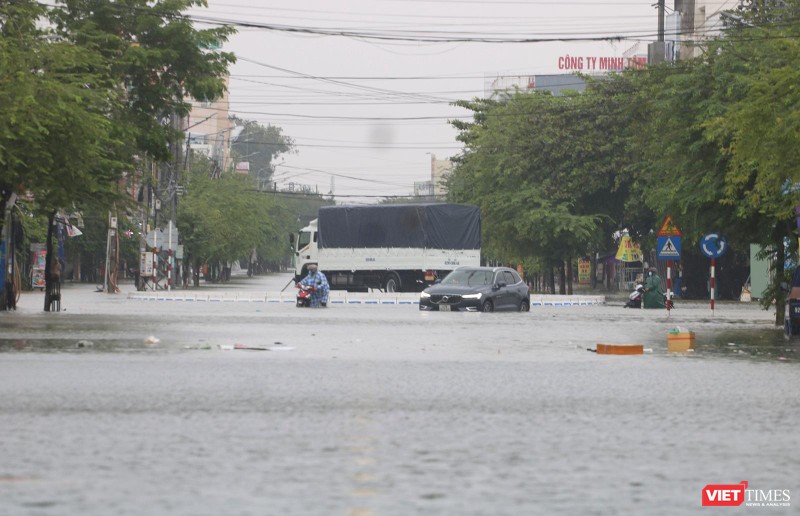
<point>791,323</point>
<point>635,298</point>
<point>304,295</point>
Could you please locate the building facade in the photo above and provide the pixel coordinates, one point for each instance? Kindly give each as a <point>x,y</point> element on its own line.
<point>208,130</point>
<point>440,170</point>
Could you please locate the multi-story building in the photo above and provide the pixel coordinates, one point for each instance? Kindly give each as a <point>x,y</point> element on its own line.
<point>440,169</point>
<point>209,129</point>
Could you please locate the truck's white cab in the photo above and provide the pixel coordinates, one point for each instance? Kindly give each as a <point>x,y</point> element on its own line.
<point>306,249</point>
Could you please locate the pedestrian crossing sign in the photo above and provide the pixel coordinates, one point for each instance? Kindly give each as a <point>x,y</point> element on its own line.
<point>668,247</point>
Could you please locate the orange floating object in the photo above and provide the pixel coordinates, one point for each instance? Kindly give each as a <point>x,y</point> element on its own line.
<point>680,342</point>
<point>620,349</point>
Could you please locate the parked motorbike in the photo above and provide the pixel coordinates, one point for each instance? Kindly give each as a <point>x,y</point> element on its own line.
<point>791,323</point>
<point>304,295</point>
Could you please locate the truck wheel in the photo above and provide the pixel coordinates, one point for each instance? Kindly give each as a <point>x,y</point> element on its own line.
<point>391,283</point>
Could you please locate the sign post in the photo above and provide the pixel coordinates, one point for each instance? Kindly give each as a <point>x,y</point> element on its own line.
<point>713,245</point>
<point>668,247</point>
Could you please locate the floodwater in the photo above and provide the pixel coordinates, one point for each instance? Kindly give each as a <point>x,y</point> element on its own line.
<point>127,407</point>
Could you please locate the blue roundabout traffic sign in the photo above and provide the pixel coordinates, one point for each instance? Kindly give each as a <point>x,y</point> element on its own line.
<point>713,245</point>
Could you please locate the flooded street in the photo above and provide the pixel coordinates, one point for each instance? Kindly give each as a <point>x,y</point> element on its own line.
<point>128,406</point>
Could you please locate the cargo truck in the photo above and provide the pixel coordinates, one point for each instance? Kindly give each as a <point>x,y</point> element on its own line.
<point>392,247</point>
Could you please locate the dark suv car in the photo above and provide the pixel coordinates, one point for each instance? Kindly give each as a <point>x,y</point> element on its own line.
<point>477,289</point>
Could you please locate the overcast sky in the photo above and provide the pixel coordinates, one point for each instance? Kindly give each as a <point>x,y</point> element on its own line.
<point>367,109</point>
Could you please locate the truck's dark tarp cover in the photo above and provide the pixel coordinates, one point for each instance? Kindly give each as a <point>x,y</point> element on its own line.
<point>432,226</point>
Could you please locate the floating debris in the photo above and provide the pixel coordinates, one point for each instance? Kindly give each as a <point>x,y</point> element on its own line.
<point>620,349</point>
<point>252,347</point>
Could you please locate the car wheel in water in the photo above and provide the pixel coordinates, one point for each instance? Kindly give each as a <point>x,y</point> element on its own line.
<point>524,306</point>
<point>487,306</point>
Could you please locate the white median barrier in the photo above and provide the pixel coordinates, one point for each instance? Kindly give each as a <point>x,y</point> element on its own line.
<point>341,298</point>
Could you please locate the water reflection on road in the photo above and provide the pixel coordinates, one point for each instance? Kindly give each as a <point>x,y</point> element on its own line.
<point>386,410</point>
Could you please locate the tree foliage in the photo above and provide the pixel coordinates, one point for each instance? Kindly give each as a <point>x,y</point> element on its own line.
<point>88,87</point>
<point>727,125</point>
<point>259,146</point>
<point>222,219</point>
<point>155,56</point>
<point>82,98</point>
<point>56,138</point>
<point>225,219</point>
<point>712,141</point>
<point>545,173</point>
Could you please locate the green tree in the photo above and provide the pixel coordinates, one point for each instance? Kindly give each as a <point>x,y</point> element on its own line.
<point>101,86</point>
<point>57,141</point>
<point>259,146</point>
<point>759,129</point>
<point>222,219</point>
<point>718,137</point>
<point>155,56</point>
<point>545,171</point>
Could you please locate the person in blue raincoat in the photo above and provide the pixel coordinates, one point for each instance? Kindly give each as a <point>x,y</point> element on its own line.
<point>653,295</point>
<point>316,279</point>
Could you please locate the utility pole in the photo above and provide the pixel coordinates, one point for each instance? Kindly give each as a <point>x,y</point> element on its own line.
<point>656,51</point>
<point>173,191</point>
<point>111,256</point>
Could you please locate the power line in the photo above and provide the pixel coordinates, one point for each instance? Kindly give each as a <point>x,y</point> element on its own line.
<point>425,36</point>
<point>354,178</point>
<point>340,83</point>
<point>422,36</point>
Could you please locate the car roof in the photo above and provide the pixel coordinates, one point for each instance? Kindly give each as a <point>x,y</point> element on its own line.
<point>488,269</point>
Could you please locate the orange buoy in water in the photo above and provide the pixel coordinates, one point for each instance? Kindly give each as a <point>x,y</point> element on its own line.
<point>620,349</point>
<point>680,342</point>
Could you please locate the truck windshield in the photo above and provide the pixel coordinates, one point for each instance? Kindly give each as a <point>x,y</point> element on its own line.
<point>303,239</point>
<point>468,278</point>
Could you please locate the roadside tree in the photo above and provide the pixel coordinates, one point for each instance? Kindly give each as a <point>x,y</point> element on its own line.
<point>57,142</point>
<point>718,136</point>
<point>98,87</point>
<point>260,145</point>
<point>547,172</point>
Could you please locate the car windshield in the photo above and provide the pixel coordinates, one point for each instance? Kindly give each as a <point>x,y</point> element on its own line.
<point>468,278</point>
